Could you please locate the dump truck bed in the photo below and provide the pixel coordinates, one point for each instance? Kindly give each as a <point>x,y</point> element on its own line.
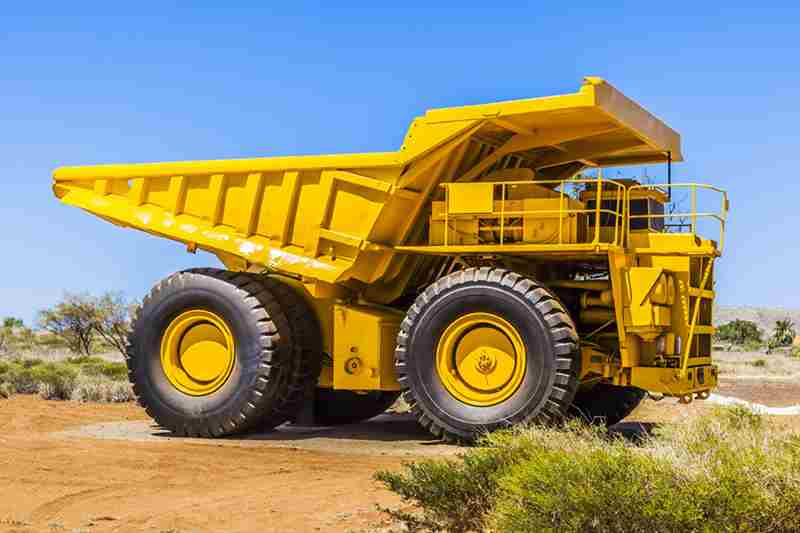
<point>337,218</point>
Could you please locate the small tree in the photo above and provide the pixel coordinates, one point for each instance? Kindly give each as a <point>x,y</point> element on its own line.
<point>12,333</point>
<point>6,338</point>
<point>80,318</point>
<point>739,332</point>
<point>73,321</point>
<point>112,320</point>
<point>11,322</point>
<point>784,333</point>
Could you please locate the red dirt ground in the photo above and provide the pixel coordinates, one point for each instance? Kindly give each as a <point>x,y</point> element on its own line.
<point>50,482</point>
<point>67,466</point>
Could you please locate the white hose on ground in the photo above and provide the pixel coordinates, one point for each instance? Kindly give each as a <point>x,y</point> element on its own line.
<point>791,410</point>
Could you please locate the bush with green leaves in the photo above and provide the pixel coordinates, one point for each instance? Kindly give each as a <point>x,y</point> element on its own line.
<point>740,332</point>
<point>97,366</point>
<point>784,333</point>
<point>81,378</point>
<point>725,471</point>
<point>55,381</point>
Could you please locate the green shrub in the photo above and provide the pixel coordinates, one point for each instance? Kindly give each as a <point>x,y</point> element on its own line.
<point>760,363</point>
<point>725,471</point>
<point>739,332</point>
<point>114,371</point>
<point>610,488</point>
<point>751,345</point>
<point>457,495</point>
<point>19,376</point>
<point>784,333</point>
<point>55,381</point>
<point>50,341</point>
<point>27,363</point>
<point>80,378</point>
<point>84,360</point>
<point>6,390</point>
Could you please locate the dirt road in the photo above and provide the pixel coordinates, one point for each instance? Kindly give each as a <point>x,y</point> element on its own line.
<point>55,474</point>
<point>74,467</point>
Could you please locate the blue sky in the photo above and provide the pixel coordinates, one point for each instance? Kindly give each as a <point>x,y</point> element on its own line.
<point>104,82</point>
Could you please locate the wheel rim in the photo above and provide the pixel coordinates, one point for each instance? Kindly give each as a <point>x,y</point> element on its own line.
<point>481,359</point>
<point>198,352</point>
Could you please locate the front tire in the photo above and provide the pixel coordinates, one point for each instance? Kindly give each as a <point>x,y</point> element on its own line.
<point>209,352</point>
<point>482,349</point>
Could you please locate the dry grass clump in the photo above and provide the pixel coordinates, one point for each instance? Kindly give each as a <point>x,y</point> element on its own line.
<point>97,389</point>
<point>81,379</point>
<point>726,471</point>
<point>780,363</point>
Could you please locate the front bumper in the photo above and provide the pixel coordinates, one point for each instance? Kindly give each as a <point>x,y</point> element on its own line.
<point>670,382</point>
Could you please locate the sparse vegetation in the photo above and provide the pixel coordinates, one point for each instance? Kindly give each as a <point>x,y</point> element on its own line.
<point>726,471</point>
<point>739,332</point>
<point>33,362</point>
<point>71,320</point>
<point>14,334</point>
<point>113,319</point>
<point>96,389</point>
<point>80,320</point>
<point>784,333</point>
<point>81,379</point>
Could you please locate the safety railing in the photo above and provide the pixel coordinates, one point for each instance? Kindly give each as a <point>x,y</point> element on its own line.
<point>606,220</point>
<point>692,216</point>
<point>504,192</point>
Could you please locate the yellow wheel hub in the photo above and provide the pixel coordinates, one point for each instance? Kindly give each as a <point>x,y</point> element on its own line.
<point>198,352</point>
<point>480,359</point>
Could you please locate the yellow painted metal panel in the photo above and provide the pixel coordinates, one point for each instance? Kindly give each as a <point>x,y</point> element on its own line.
<point>363,347</point>
<point>339,217</point>
<point>468,198</point>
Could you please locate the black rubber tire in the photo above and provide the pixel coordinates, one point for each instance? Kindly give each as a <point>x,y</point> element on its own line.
<point>606,404</point>
<point>306,362</point>
<point>336,407</point>
<point>257,387</point>
<point>549,385</point>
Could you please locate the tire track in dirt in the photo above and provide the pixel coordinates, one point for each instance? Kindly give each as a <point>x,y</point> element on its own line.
<point>52,508</point>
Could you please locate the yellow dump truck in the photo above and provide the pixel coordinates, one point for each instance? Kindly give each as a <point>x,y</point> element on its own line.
<point>477,271</point>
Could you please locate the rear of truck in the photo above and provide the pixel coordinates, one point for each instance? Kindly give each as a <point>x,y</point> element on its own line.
<point>477,270</point>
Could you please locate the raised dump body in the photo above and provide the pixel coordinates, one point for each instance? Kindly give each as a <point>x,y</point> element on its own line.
<point>338,218</point>
<point>492,189</point>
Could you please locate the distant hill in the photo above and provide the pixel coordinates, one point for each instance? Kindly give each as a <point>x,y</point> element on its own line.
<point>764,317</point>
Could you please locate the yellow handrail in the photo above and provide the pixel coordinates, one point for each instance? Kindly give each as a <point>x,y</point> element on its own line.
<point>621,213</point>
<point>562,212</point>
<point>720,216</point>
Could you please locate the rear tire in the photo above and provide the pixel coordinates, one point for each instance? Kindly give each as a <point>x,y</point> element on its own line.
<point>335,407</point>
<point>541,340</point>
<point>255,389</point>
<point>606,404</point>
<point>304,367</point>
